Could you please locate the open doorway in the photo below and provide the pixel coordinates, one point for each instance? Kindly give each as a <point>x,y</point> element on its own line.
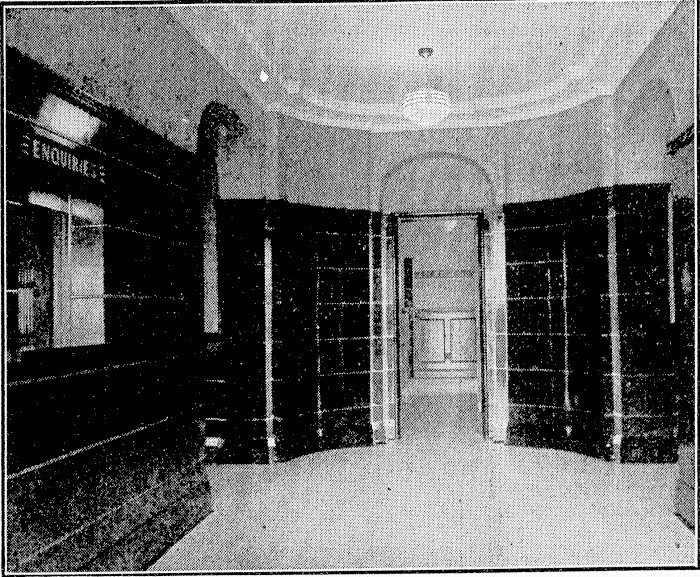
<point>440,323</point>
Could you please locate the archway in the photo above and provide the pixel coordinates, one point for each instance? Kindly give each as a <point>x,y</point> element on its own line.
<point>438,181</point>
<point>643,132</point>
<point>447,201</point>
<point>219,127</point>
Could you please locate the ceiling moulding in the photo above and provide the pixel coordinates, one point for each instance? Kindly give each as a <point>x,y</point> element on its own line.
<point>575,85</point>
<point>395,123</point>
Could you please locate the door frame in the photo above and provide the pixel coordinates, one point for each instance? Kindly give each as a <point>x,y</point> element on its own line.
<point>481,226</point>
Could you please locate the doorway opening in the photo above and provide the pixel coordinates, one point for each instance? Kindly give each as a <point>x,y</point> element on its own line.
<point>440,309</point>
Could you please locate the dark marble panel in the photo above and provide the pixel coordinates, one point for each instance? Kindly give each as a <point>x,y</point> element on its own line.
<point>544,352</point>
<point>355,321</point>
<point>589,205</point>
<point>585,315</point>
<point>347,390</point>
<point>61,497</point>
<point>537,213</point>
<point>78,410</point>
<point>135,533</point>
<point>606,384</point>
<point>587,276</point>
<point>296,435</point>
<point>642,352</point>
<point>353,222</point>
<point>583,433</point>
<point>343,356</point>
<point>536,426</point>
<point>354,285</point>
<point>49,363</point>
<point>602,362</point>
<point>133,209</point>
<point>584,353</point>
<point>330,357</point>
<point>153,538</point>
<point>376,247</point>
<point>294,359</point>
<point>329,289</point>
<point>580,359</point>
<point>646,228</point>
<point>586,239</point>
<point>640,199</point>
<point>346,428</point>
<point>644,313</point>
<point>648,440</point>
<point>642,275</point>
<point>296,393</point>
<point>343,285</point>
<point>649,394</point>
<point>534,280</point>
<point>356,355</point>
<point>290,324</point>
<point>587,392</point>
<point>534,244</point>
<point>245,441</point>
<point>536,388</point>
<point>337,250</point>
<point>535,316</point>
<point>330,320</point>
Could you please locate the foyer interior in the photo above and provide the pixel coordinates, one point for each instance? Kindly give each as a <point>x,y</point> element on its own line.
<point>259,317</point>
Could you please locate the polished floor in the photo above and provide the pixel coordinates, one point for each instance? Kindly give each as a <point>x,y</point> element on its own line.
<point>440,497</point>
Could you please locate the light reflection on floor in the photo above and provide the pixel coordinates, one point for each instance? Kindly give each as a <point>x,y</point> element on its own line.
<point>438,497</point>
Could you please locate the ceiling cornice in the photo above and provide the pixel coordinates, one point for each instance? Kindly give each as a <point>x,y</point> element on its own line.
<point>573,87</point>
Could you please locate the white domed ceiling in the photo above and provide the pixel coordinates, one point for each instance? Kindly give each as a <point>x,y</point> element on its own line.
<point>352,64</point>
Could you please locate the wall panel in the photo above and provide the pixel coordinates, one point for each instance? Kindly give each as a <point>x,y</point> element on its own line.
<point>318,347</point>
<point>103,441</point>
<point>589,324</point>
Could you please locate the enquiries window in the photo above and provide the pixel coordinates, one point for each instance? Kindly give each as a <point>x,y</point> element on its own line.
<point>56,262</point>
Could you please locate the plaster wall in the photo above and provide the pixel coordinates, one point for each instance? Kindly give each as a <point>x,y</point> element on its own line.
<point>137,60</point>
<point>655,102</point>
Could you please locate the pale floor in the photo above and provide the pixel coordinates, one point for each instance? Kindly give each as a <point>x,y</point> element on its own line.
<point>438,497</point>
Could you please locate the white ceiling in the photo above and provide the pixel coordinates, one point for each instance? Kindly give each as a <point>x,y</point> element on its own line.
<point>354,63</point>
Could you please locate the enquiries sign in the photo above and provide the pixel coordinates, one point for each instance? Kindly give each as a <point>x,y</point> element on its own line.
<point>49,152</point>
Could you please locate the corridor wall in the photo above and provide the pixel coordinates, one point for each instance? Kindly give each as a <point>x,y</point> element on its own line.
<point>104,467</point>
<point>589,324</point>
<point>304,358</point>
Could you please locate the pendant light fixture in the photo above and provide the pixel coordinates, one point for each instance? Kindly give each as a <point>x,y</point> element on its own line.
<point>426,107</point>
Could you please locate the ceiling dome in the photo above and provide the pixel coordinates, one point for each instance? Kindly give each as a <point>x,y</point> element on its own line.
<point>494,62</point>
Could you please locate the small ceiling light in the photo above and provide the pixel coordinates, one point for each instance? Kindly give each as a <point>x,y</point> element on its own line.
<point>263,76</point>
<point>66,124</point>
<point>426,107</point>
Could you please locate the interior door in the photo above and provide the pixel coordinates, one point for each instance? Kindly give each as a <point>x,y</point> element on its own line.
<point>446,342</point>
<point>441,330</point>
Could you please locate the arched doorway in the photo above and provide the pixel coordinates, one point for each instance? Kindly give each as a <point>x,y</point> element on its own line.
<point>440,275</point>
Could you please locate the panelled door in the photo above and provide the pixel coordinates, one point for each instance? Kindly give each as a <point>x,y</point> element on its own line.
<point>441,328</point>
<point>446,341</point>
